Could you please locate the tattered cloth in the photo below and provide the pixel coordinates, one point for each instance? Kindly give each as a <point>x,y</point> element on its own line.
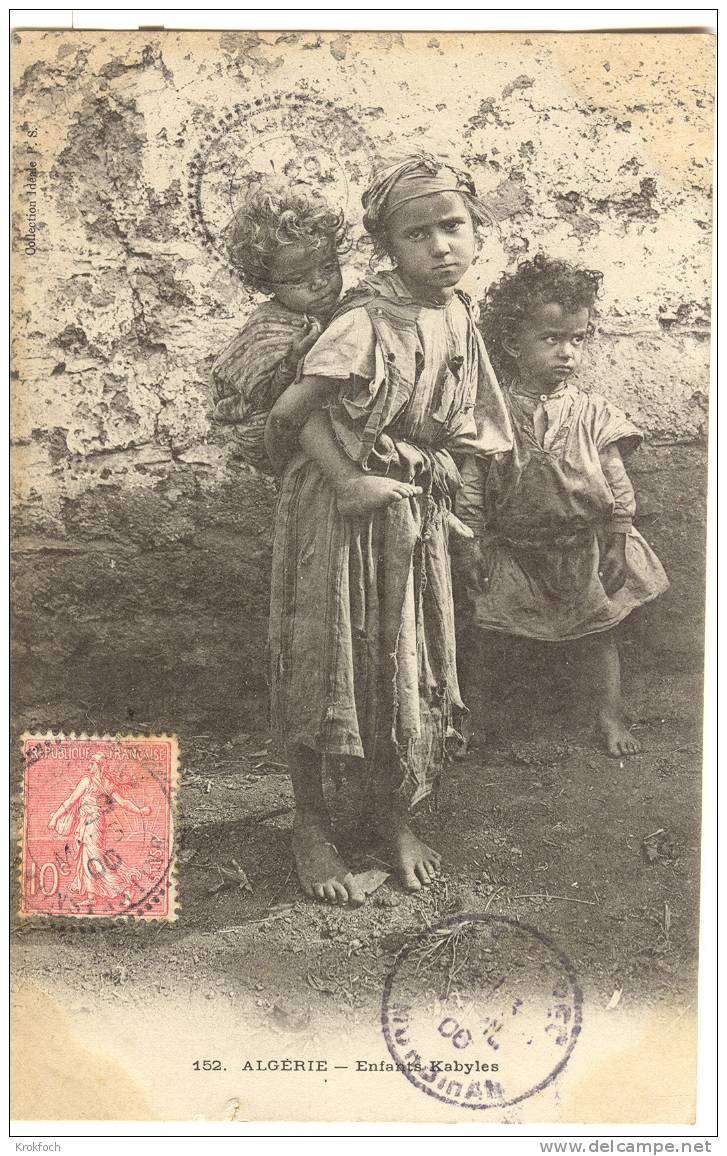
<point>362,641</point>
<point>547,503</point>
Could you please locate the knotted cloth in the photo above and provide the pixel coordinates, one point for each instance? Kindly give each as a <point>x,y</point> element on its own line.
<point>418,175</point>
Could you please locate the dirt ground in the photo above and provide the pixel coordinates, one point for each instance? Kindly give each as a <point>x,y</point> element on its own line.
<point>534,823</point>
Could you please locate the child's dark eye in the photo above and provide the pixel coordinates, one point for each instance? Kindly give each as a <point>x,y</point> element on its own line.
<point>452,226</point>
<point>579,339</point>
<point>416,235</point>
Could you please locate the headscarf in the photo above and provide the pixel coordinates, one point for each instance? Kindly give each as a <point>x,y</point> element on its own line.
<point>414,176</point>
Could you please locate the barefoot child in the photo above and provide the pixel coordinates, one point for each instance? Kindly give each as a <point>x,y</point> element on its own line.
<point>559,558</point>
<point>361,623</point>
<point>285,240</point>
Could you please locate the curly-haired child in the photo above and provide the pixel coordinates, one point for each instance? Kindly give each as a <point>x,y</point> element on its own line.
<point>559,558</point>
<point>284,240</point>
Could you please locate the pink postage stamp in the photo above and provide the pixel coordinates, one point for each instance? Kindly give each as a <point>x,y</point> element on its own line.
<point>98,826</point>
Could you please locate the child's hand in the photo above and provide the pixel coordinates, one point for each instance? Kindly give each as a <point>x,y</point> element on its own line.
<point>470,561</point>
<point>310,334</point>
<point>612,570</point>
<point>458,528</point>
<point>367,493</point>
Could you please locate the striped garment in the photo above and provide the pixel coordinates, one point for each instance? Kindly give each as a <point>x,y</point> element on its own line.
<point>251,373</point>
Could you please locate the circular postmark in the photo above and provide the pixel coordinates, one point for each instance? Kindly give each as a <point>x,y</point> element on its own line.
<point>481,1011</point>
<point>296,136</point>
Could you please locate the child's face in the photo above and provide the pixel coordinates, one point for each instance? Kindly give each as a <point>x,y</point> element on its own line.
<point>432,241</point>
<point>306,279</point>
<point>549,345</point>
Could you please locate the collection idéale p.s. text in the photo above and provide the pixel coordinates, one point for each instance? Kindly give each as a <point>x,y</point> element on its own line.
<point>29,190</point>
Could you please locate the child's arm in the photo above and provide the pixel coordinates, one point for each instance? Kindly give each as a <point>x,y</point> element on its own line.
<point>612,571</point>
<point>470,500</point>
<point>357,492</point>
<point>289,415</point>
<point>458,528</point>
<point>258,364</point>
<point>467,548</point>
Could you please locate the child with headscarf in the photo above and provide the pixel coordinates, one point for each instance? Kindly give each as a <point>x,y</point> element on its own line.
<point>362,640</point>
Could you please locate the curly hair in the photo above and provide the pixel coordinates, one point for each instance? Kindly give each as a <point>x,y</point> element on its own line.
<point>375,195</point>
<point>276,213</point>
<point>540,281</point>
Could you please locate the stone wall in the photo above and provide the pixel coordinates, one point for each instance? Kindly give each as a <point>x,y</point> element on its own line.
<point>141,540</point>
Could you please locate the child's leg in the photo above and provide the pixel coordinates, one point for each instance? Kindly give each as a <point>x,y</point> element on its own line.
<point>321,870</point>
<point>357,493</point>
<point>604,675</point>
<point>415,863</point>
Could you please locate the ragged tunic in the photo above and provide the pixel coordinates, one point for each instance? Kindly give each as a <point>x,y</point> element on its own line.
<point>361,625</point>
<point>546,504</point>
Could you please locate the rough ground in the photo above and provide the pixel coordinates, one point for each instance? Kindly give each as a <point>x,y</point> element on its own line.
<point>535,823</point>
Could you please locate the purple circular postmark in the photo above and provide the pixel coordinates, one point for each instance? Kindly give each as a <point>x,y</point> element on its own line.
<point>298,136</point>
<point>481,1011</point>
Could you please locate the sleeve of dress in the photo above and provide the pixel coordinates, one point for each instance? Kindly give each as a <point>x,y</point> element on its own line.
<point>610,425</point>
<point>482,426</point>
<point>621,488</point>
<point>361,409</point>
<point>470,500</point>
<point>346,348</point>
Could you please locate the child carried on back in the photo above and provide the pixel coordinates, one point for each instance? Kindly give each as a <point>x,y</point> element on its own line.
<point>284,240</point>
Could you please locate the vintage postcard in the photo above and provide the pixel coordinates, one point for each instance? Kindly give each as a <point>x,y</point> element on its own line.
<point>359,420</point>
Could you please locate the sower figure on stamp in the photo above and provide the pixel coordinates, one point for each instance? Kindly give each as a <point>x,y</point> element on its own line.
<point>559,557</point>
<point>98,872</point>
<point>361,626</point>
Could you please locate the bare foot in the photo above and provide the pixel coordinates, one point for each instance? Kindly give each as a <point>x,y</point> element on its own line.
<point>458,528</point>
<point>321,870</point>
<point>416,863</point>
<point>369,492</point>
<point>620,743</point>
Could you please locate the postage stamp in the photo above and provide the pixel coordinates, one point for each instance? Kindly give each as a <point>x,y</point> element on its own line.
<point>481,1011</point>
<point>98,826</point>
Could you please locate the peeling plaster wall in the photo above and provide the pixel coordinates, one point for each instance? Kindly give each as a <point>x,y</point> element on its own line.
<point>142,541</point>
